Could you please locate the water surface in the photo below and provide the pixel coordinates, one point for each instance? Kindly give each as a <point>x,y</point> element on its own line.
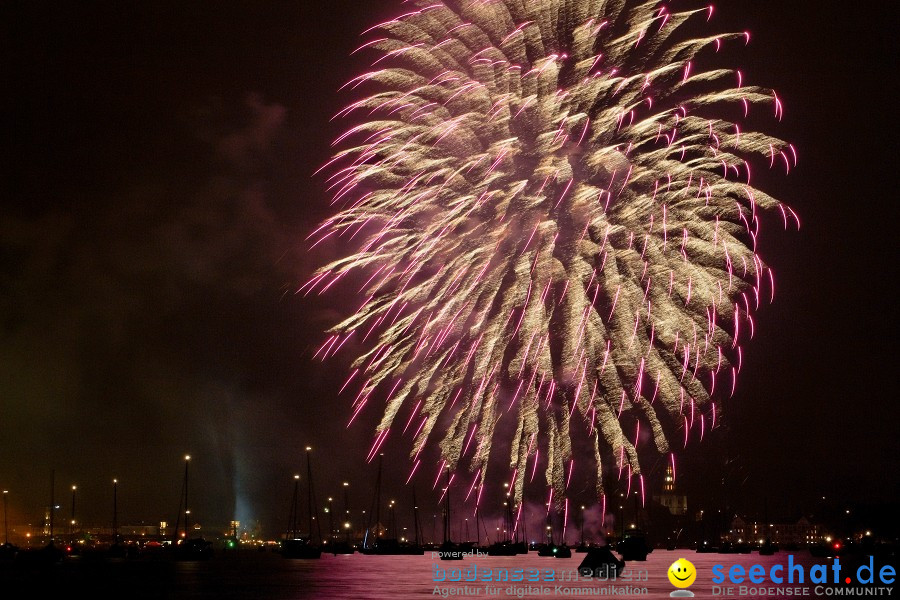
<point>239,575</point>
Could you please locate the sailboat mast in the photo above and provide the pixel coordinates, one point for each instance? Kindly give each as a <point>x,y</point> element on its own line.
<point>115,511</point>
<point>416,517</point>
<point>346,512</point>
<point>505,528</point>
<point>330,520</point>
<point>582,525</point>
<point>447,510</point>
<point>378,498</point>
<point>477,529</point>
<point>311,497</point>
<point>292,521</point>
<point>525,530</point>
<point>52,501</point>
<point>187,460</point>
<point>637,512</point>
<point>549,527</point>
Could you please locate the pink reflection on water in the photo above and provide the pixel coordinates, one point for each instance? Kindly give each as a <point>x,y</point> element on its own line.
<point>384,577</point>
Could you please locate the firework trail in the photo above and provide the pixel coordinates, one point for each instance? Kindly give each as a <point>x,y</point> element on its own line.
<point>554,232</point>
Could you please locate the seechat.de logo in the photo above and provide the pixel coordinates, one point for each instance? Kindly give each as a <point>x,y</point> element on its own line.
<point>682,575</point>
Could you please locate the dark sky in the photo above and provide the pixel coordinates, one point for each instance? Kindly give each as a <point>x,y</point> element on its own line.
<point>157,184</point>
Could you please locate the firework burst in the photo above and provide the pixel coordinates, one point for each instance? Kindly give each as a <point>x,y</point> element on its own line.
<point>554,232</point>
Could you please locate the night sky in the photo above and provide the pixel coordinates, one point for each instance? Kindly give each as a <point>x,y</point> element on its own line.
<point>157,187</point>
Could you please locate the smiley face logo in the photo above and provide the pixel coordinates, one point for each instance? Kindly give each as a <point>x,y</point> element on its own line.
<point>682,573</point>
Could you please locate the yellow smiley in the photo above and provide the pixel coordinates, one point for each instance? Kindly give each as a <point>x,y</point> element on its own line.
<point>682,573</point>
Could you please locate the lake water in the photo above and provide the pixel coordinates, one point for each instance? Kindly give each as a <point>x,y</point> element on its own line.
<point>257,576</point>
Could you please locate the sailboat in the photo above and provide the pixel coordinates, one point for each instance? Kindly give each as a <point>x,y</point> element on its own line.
<point>385,541</point>
<point>510,546</point>
<point>634,543</point>
<point>294,545</point>
<point>416,547</point>
<point>582,547</point>
<point>378,545</point>
<point>340,546</point>
<point>51,553</point>
<point>448,550</point>
<point>522,546</point>
<point>546,549</point>
<point>189,548</point>
<point>551,548</point>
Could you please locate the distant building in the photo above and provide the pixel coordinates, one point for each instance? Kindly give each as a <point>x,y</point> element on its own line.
<point>131,532</point>
<point>674,502</point>
<point>801,533</point>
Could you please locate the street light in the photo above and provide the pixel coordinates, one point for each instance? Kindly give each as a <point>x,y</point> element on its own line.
<point>5,519</point>
<point>115,511</point>
<point>52,501</point>
<point>72,529</point>
<point>187,460</point>
<point>330,520</point>
<point>347,510</point>
<point>309,498</point>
